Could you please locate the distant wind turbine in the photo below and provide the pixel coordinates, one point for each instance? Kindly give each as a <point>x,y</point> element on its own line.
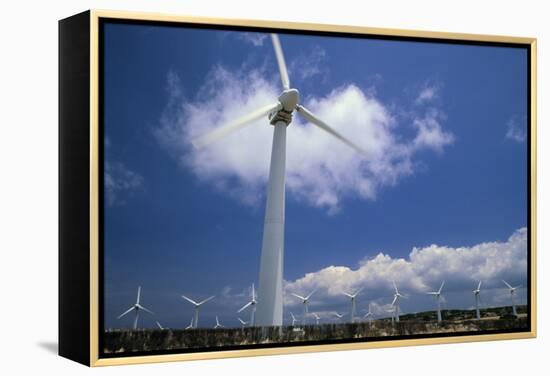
<point>477,298</point>
<point>243,323</point>
<point>317,318</point>
<point>338,316</point>
<point>197,308</point>
<point>396,298</point>
<point>190,326</point>
<point>369,315</point>
<point>305,302</point>
<point>218,325</point>
<point>353,305</point>
<point>437,295</point>
<point>252,304</point>
<point>136,308</point>
<point>512,296</point>
<point>279,113</point>
<point>294,319</point>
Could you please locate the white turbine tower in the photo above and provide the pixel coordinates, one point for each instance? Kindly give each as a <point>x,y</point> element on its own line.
<point>294,319</point>
<point>477,298</point>
<point>369,315</point>
<point>512,296</point>
<point>353,305</point>
<point>136,308</point>
<point>305,302</point>
<point>198,305</point>
<point>218,325</point>
<point>396,298</point>
<point>270,305</point>
<point>437,295</point>
<point>317,318</point>
<point>252,304</point>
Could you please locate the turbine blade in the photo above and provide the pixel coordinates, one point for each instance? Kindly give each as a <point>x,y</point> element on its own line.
<point>358,291</point>
<point>235,125</point>
<point>253,292</point>
<point>324,126</point>
<point>160,326</point>
<point>126,312</point>
<point>507,284</point>
<point>311,293</point>
<point>432,293</point>
<point>280,61</point>
<point>479,285</point>
<point>138,294</point>
<point>517,287</point>
<point>145,309</point>
<point>244,307</point>
<point>394,300</point>
<point>395,287</point>
<point>205,300</point>
<point>298,296</point>
<point>348,295</point>
<point>189,300</point>
<point>441,287</point>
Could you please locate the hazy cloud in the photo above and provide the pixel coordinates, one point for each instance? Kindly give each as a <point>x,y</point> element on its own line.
<point>254,38</point>
<point>119,180</point>
<point>517,129</point>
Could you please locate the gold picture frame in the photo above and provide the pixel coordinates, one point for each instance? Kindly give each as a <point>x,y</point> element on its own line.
<point>88,353</point>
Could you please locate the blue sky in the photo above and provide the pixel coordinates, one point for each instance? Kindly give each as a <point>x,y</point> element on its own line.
<point>447,172</point>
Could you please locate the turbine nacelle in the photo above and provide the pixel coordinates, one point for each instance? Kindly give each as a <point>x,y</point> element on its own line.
<point>289,99</point>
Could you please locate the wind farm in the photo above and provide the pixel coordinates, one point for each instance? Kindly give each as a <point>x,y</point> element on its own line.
<point>305,243</point>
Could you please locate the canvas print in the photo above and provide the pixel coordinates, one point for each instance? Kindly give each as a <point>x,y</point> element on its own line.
<point>267,188</point>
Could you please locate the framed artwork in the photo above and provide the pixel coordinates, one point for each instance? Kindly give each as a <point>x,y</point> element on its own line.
<point>237,188</point>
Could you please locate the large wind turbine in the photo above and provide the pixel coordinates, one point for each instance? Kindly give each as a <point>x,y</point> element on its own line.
<point>305,302</point>
<point>477,297</point>
<point>136,308</point>
<point>437,295</point>
<point>352,298</point>
<point>396,298</point>
<point>198,305</point>
<point>512,295</point>
<point>252,305</point>
<point>270,305</point>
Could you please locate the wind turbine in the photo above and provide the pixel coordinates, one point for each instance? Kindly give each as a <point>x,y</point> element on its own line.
<point>243,323</point>
<point>352,298</point>
<point>252,304</point>
<point>437,295</point>
<point>218,325</point>
<point>512,295</point>
<point>338,316</point>
<point>195,322</point>
<point>270,306</point>
<point>477,297</point>
<point>392,311</point>
<point>396,298</point>
<point>294,319</point>
<point>369,315</point>
<point>317,318</point>
<point>136,308</point>
<point>305,302</point>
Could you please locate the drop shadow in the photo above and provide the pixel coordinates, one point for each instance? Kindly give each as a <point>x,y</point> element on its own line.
<point>50,347</point>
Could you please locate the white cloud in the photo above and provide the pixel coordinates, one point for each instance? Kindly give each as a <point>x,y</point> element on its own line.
<point>427,94</point>
<point>517,129</point>
<point>321,170</point>
<point>422,271</point>
<point>119,181</point>
<point>309,64</point>
<point>254,38</point>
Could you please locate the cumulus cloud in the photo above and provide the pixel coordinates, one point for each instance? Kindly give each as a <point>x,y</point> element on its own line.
<point>119,180</point>
<point>517,129</point>
<point>321,170</point>
<point>254,38</point>
<point>422,271</point>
